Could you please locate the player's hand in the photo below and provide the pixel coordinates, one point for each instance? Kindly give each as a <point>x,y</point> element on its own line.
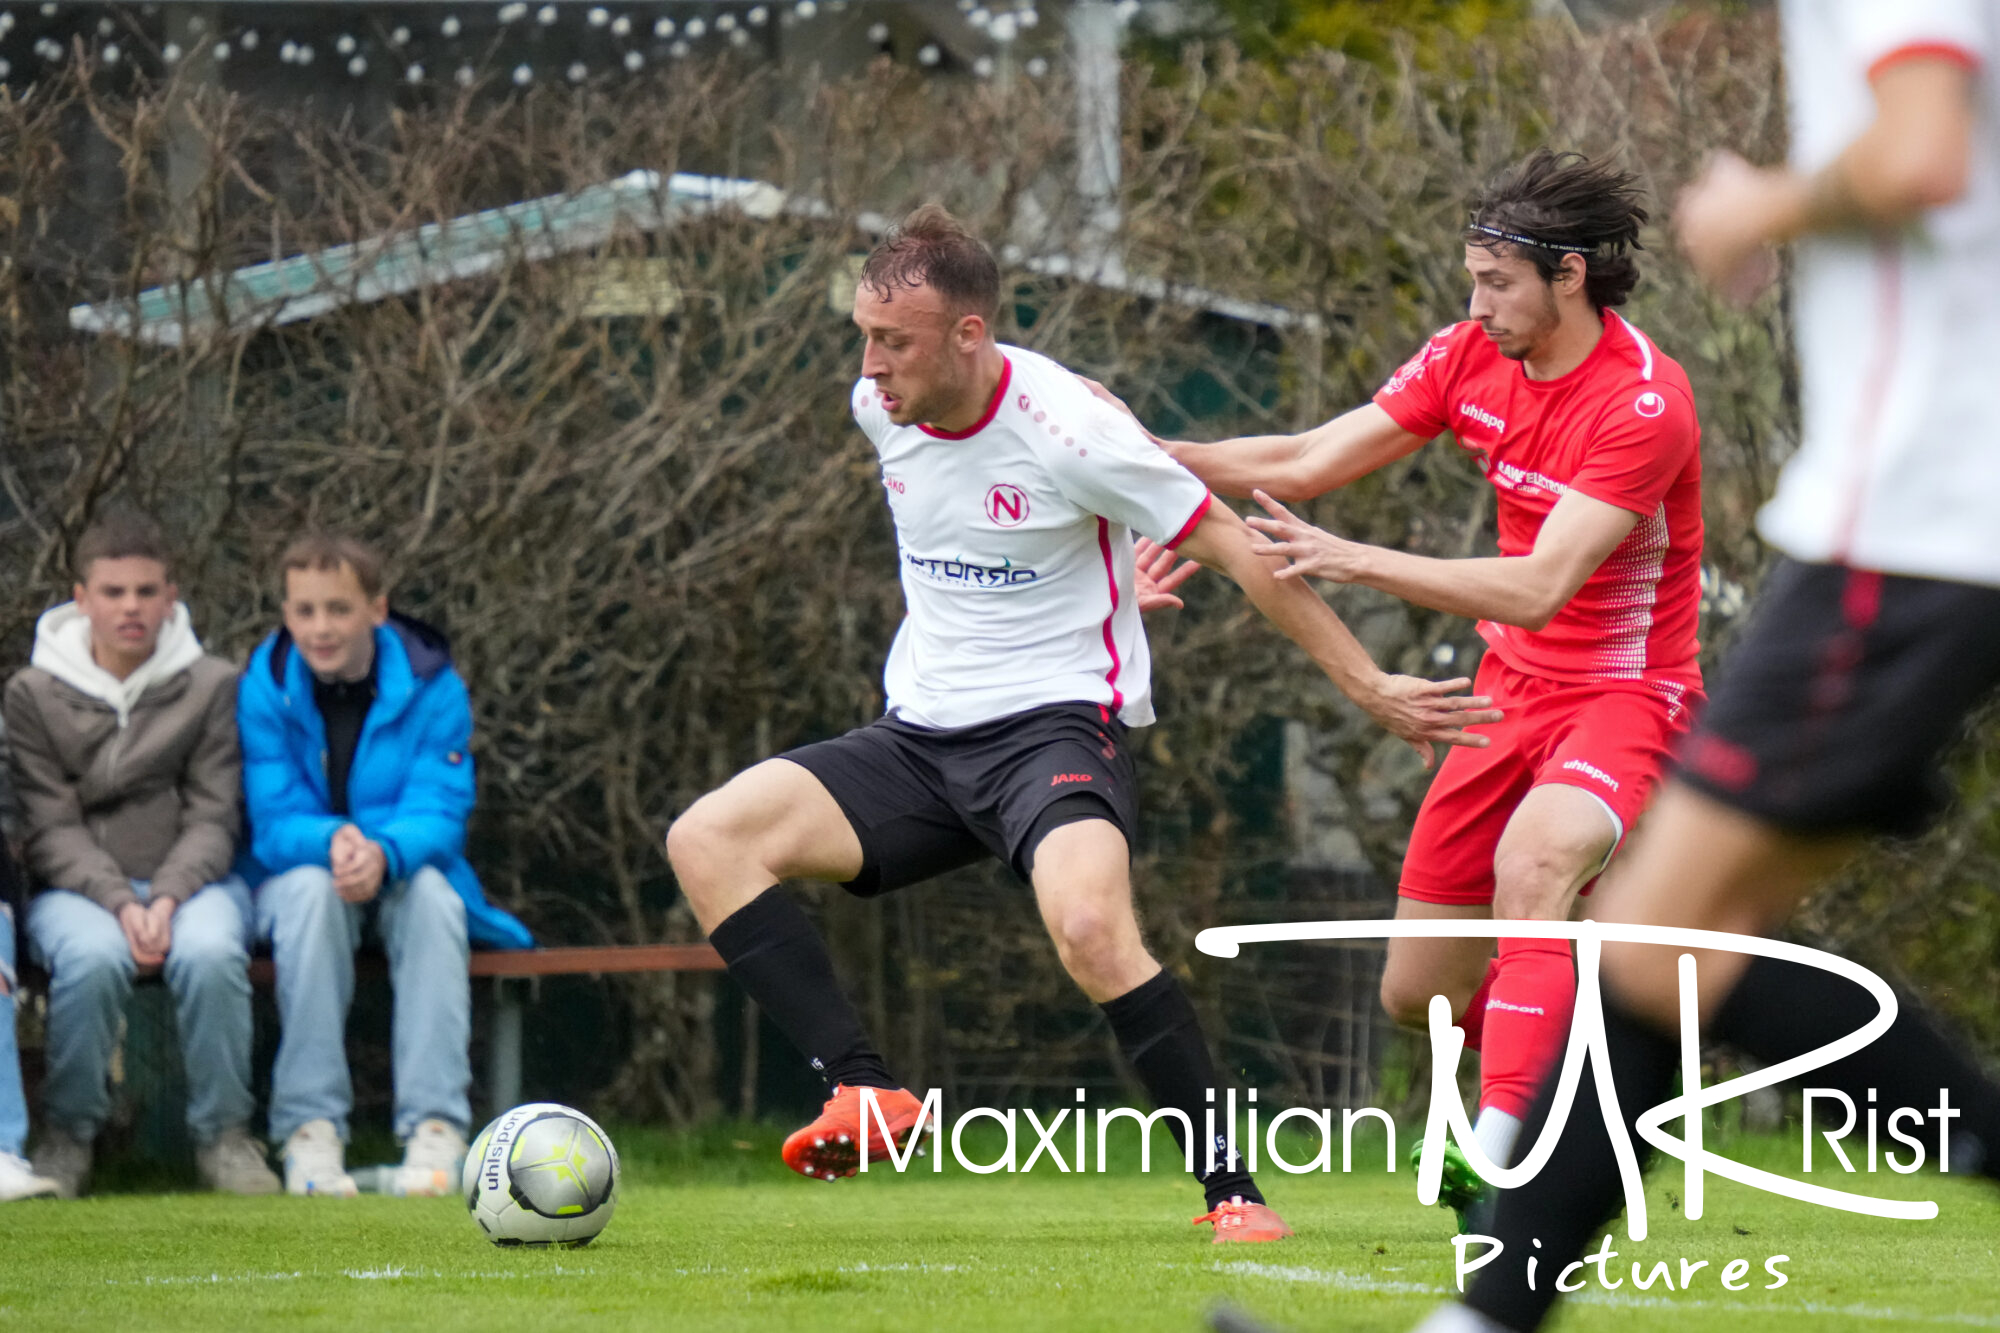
<point>1720,222</point>
<point>1310,550</point>
<point>1160,571</point>
<point>1427,712</point>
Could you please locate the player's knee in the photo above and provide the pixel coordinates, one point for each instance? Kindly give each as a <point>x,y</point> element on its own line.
<point>1534,883</point>
<point>1405,1002</point>
<point>1094,943</point>
<point>697,841</point>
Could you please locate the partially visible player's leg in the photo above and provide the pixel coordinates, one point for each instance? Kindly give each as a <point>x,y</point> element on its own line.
<point>1828,724</point>
<point>1417,969</point>
<point>1081,872</point>
<point>729,851</point>
<point>773,822</point>
<point>783,820</point>
<point>1557,840</point>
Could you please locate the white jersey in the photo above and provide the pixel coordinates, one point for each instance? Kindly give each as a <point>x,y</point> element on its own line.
<point>1016,545</point>
<point>1898,469</point>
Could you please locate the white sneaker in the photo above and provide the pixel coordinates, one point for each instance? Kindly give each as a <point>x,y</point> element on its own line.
<point>234,1164</point>
<point>431,1160</point>
<point>315,1162</point>
<point>63,1158</point>
<point>19,1181</point>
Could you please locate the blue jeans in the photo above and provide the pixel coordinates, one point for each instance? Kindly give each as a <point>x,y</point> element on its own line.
<point>313,935</point>
<point>13,1105</point>
<point>90,969</point>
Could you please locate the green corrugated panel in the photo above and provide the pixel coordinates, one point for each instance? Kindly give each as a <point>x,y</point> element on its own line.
<point>288,290</point>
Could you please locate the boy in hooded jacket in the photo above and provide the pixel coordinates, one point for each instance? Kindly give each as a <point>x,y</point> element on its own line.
<point>358,778</point>
<point>123,753</point>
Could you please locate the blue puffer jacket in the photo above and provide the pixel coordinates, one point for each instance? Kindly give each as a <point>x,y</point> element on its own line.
<point>409,787</point>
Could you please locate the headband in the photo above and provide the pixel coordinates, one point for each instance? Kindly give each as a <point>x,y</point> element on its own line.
<point>1518,239</point>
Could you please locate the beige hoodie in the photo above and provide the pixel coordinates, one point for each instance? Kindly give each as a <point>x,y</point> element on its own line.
<point>123,780</point>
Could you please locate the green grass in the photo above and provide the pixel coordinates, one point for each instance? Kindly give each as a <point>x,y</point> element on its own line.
<point>711,1235</point>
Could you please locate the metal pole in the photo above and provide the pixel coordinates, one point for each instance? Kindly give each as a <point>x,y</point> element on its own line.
<point>1094,31</point>
<point>503,1056</point>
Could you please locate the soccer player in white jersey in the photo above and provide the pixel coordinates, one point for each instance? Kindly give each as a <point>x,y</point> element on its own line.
<point>1011,686</point>
<point>1877,632</point>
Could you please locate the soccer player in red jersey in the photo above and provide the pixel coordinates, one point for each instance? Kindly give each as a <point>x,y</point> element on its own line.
<point>1588,435</point>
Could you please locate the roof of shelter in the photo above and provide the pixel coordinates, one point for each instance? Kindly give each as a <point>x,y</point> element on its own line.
<point>303,286</point>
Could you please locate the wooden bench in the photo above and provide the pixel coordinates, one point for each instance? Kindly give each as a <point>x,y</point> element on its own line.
<point>512,971</point>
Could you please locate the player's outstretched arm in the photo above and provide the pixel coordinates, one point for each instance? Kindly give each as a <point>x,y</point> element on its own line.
<point>1915,155</point>
<point>1291,467</point>
<point>1298,467</point>
<point>1579,534</point>
<point>1422,712</point>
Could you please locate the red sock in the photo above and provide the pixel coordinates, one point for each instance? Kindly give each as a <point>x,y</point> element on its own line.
<point>1531,996</point>
<point>1473,1022</point>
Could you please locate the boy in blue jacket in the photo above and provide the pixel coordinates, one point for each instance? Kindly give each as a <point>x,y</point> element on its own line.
<point>357,779</point>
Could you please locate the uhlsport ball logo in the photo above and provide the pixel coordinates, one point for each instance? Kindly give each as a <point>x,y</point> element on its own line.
<point>541,1174</point>
<point>1649,404</point>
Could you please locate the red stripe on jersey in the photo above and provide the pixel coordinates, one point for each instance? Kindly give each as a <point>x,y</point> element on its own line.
<point>1950,51</point>
<point>1110,643</point>
<point>992,409</point>
<point>1194,521</point>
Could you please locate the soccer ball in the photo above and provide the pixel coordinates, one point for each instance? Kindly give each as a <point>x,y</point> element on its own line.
<point>541,1174</point>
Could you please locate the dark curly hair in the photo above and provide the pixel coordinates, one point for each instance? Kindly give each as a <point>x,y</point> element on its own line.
<point>1558,204</point>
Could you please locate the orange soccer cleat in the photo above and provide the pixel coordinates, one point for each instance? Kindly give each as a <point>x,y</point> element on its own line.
<point>1237,1222</point>
<point>830,1147</point>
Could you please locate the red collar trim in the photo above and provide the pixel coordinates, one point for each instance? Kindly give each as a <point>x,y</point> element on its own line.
<point>992,408</point>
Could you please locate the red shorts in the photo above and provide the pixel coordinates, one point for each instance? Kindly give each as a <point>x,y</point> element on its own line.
<point>1609,738</point>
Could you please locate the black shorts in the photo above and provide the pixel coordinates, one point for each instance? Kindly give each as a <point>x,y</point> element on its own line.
<point>1833,711</point>
<point>925,801</point>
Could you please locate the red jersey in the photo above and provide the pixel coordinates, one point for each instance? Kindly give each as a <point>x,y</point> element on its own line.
<point>1619,428</point>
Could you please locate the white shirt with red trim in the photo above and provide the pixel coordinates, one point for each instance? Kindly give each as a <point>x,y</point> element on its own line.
<point>1016,545</point>
<point>1898,467</point>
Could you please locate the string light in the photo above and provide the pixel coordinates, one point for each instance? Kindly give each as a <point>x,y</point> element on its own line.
<point>999,21</point>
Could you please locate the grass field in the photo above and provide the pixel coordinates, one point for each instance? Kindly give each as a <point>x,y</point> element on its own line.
<point>712,1233</point>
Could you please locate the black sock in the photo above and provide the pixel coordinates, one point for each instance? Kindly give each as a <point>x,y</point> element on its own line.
<point>1160,1034</point>
<point>1781,1009</point>
<point>1570,1199</point>
<point>775,955</point>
